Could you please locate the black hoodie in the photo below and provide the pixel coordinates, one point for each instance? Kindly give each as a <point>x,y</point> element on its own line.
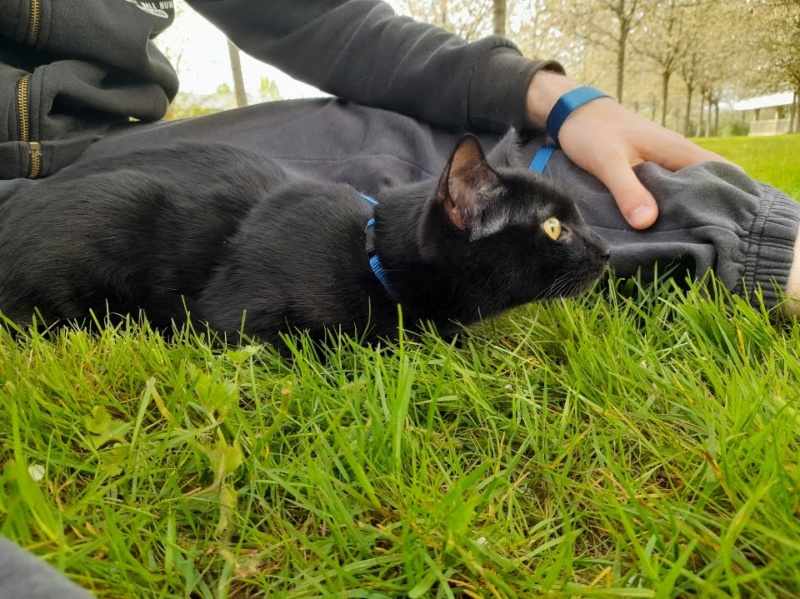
<point>73,70</point>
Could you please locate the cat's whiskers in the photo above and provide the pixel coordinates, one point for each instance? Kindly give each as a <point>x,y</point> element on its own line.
<point>567,285</point>
<point>480,293</point>
<point>555,288</point>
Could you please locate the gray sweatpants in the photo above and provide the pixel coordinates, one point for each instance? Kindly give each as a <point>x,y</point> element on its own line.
<point>23,576</point>
<point>712,217</point>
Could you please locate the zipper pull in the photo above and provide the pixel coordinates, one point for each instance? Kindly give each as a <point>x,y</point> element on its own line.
<point>36,159</point>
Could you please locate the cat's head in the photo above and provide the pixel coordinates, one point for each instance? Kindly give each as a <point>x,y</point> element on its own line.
<point>506,234</point>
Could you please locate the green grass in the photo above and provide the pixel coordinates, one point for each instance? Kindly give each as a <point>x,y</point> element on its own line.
<point>773,159</point>
<point>635,442</point>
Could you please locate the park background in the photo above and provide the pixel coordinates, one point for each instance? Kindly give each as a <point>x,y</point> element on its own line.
<point>700,67</point>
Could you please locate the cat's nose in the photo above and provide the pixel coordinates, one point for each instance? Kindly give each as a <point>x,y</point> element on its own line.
<point>598,246</point>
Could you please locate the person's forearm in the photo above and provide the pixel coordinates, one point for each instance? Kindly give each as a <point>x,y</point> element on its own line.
<point>360,50</point>
<point>544,91</point>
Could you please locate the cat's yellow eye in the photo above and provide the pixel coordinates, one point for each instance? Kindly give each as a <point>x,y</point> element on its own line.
<point>552,227</point>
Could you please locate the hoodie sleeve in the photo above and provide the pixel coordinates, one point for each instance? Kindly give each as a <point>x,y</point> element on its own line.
<point>361,50</point>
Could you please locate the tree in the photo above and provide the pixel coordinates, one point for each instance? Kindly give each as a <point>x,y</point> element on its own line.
<point>269,89</point>
<point>238,78</point>
<point>664,39</point>
<point>607,24</point>
<point>721,49</point>
<point>779,41</point>
<point>541,31</point>
<point>469,19</point>
<point>690,72</point>
<point>499,17</point>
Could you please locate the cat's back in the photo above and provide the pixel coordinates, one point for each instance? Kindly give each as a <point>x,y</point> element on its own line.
<point>186,164</point>
<point>304,257</point>
<point>212,163</point>
<point>126,226</point>
<point>183,171</point>
<point>178,159</point>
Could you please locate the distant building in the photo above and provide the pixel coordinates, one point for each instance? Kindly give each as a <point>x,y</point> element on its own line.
<point>769,115</point>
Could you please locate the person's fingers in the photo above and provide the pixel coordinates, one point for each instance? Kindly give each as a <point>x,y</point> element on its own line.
<point>628,139</point>
<point>673,151</point>
<point>613,167</point>
<point>637,205</point>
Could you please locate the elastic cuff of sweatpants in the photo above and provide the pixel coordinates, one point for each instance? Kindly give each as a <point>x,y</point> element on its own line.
<point>770,247</point>
<point>499,89</point>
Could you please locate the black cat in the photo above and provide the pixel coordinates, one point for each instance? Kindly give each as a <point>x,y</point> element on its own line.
<point>221,233</point>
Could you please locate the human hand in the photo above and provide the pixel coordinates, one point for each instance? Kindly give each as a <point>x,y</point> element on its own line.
<point>607,140</point>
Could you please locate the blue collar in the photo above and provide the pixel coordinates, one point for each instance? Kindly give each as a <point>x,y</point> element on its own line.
<point>372,254</point>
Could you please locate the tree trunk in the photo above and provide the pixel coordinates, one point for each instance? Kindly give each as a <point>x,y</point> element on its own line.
<point>716,118</point>
<point>702,113</point>
<point>238,78</point>
<point>442,14</point>
<point>687,121</point>
<point>500,17</point>
<point>623,40</point>
<point>793,116</point>
<point>797,110</point>
<point>664,95</point>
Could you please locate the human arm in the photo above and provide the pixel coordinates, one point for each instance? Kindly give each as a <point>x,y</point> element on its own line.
<point>606,139</point>
<point>360,50</point>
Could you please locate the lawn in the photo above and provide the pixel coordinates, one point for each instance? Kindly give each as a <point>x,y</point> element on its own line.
<point>773,159</point>
<point>635,442</point>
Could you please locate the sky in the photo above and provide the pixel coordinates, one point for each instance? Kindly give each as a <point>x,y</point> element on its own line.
<point>204,62</point>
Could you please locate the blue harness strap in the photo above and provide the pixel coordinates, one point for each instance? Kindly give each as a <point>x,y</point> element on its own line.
<point>372,254</point>
<point>542,157</point>
<point>369,200</point>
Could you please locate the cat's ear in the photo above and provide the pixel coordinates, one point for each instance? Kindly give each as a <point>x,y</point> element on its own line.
<point>466,179</point>
<point>507,151</point>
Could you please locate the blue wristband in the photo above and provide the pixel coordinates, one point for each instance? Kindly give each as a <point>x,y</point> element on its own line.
<point>566,104</point>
